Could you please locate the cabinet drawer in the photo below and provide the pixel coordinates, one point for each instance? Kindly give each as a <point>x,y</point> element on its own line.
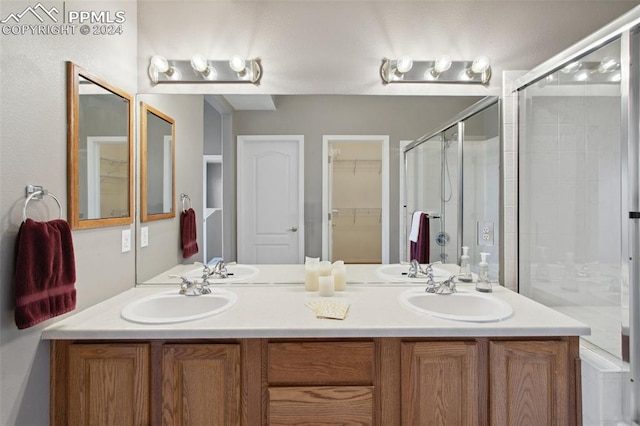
<point>331,363</point>
<point>321,405</point>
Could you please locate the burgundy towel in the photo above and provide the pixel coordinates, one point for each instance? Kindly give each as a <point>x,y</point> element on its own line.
<point>45,272</point>
<point>420,249</point>
<point>188,233</point>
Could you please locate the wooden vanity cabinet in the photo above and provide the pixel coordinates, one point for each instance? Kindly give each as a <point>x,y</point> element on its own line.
<point>380,381</point>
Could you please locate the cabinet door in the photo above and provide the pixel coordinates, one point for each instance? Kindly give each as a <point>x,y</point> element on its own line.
<point>441,384</point>
<point>108,384</point>
<point>201,384</point>
<point>529,383</point>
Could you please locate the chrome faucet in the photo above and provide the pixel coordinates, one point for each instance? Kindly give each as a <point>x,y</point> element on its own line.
<point>415,270</point>
<point>220,270</point>
<point>447,286</point>
<point>192,288</point>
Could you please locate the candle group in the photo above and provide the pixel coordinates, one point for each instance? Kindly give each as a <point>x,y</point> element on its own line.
<point>324,277</point>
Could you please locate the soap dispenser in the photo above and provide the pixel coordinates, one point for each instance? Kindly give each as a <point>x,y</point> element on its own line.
<point>465,266</point>
<point>483,284</point>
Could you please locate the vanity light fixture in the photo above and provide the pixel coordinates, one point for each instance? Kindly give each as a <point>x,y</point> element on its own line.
<point>202,70</point>
<point>441,70</point>
<point>605,71</point>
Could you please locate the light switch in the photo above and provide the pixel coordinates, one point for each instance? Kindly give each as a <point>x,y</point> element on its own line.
<point>144,236</point>
<point>126,240</point>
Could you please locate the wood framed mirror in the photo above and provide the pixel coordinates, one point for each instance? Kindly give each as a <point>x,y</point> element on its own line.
<point>157,165</point>
<point>99,151</point>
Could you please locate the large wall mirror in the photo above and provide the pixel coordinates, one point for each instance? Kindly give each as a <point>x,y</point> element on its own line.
<point>208,131</point>
<point>100,151</point>
<point>157,164</point>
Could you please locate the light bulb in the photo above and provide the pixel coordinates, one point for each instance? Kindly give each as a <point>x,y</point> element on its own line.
<point>404,64</point>
<point>199,63</point>
<point>607,64</point>
<point>616,77</point>
<point>480,64</point>
<point>442,64</point>
<point>237,64</point>
<point>581,75</point>
<point>572,67</point>
<point>159,63</point>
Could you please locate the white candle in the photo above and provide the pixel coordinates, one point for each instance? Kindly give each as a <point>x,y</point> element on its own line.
<point>325,268</point>
<point>311,273</point>
<point>339,277</point>
<point>325,286</point>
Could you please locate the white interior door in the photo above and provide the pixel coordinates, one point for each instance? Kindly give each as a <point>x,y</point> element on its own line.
<point>270,199</point>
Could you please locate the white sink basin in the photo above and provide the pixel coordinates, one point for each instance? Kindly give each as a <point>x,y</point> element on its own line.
<point>172,307</point>
<point>237,273</point>
<point>461,306</point>
<point>396,272</point>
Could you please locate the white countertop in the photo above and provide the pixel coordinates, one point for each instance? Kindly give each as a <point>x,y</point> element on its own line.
<point>273,306</point>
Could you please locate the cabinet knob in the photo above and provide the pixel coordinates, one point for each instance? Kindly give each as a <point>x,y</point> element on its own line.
<point>293,229</point>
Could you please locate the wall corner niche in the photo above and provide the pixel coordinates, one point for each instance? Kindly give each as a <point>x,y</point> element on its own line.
<point>99,151</point>
<point>157,165</point>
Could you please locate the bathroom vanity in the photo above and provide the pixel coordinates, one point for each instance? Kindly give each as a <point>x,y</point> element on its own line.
<point>269,360</point>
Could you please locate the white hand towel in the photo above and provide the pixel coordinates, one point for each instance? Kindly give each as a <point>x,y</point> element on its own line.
<point>415,226</point>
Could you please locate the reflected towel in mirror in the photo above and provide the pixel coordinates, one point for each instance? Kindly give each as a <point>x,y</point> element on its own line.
<point>188,233</point>
<point>419,247</point>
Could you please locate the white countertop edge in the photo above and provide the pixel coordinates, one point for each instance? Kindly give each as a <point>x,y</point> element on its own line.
<point>435,332</point>
<point>278,311</point>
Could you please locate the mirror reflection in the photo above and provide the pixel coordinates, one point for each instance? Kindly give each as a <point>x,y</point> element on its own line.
<point>157,148</point>
<point>211,126</point>
<point>99,151</point>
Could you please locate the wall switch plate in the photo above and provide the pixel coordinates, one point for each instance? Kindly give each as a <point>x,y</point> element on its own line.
<point>144,236</point>
<point>126,240</point>
<point>485,233</point>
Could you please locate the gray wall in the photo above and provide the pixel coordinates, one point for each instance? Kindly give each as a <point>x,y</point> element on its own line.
<point>400,117</point>
<point>33,149</point>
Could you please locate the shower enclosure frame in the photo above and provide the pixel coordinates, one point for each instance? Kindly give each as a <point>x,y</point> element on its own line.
<point>627,30</point>
<point>458,122</point>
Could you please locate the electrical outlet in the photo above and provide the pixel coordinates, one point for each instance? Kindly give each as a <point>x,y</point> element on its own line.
<point>144,236</point>
<point>485,233</point>
<point>126,240</point>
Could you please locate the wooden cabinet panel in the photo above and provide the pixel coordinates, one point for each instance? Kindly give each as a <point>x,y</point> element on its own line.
<point>201,384</point>
<point>441,384</point>
<point>108,384</point>
<point>529,383</point>
<point>326,363</point>
<point>320,405</point>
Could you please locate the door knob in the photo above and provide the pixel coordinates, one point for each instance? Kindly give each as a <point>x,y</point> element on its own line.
<point>293,229</point>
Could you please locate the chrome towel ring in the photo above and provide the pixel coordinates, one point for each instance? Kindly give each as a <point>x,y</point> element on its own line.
<point>38,193</point>
<point>184,197</point>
